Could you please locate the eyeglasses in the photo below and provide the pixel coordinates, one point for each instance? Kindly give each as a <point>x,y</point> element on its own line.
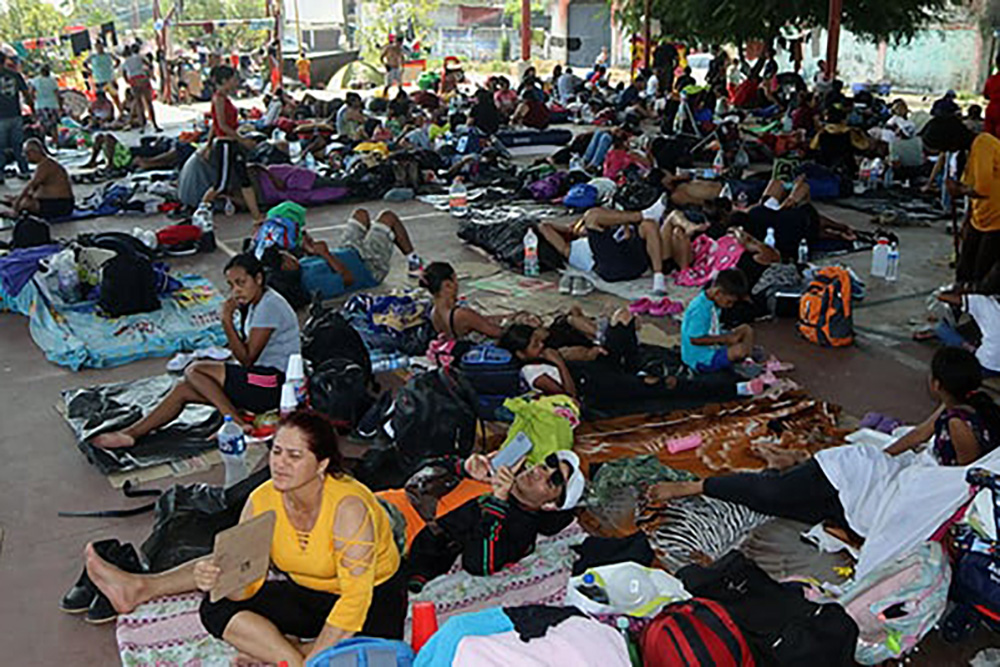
<point>556,478</point>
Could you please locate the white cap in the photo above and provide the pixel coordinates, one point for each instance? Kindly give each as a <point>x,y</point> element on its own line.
<point>576,483</point>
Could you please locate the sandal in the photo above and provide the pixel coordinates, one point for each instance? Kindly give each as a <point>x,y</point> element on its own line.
<point>641,306</point>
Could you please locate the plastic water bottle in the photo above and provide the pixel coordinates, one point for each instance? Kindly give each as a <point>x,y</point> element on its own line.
<point>458,199</point>
<point>530,253</point>
<point>875,174</point>
<point>230,207</point>
<point>892,264</point>
<point>880,258</point>
<point>390,361</point>
<point>622,623</point>
<point>769,240</point>
<point>889,178</point>
<point>310,161</point>
<point>742,200</point>
<point>592,590</point>
<point>803,252</point>
<point>202,218</point>
<point>233,447</point>
<point>719,163</point>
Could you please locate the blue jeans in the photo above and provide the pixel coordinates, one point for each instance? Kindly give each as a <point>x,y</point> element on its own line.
<point>598,147</point>
<point>12,137</point>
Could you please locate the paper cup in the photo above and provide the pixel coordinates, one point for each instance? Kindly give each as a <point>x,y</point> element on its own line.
<point>295,371</point>
<point>289,402</point>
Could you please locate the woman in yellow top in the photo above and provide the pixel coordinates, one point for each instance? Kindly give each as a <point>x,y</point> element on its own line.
<point>336,564</point>
<point>979,256</point>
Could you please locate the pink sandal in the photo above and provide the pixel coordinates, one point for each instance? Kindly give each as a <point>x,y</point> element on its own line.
<point>665,307</point>
<point>641,306</point>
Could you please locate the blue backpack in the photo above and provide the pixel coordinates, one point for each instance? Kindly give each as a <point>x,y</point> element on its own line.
<point>494,375</point>
<point>365,652</point>
<point>581,196</point>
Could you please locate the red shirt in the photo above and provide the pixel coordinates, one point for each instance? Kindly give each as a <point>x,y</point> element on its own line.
<point>992,89</point>
<point>231,118</point>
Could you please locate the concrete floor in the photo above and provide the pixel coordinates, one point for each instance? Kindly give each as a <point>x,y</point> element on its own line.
<point>44,472</point>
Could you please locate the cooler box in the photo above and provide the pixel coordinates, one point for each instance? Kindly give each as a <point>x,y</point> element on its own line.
<point>317,276</point>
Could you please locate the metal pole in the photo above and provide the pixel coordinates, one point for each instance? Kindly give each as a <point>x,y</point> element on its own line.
<point>646,45</point>
<point>525,30</point>
<point>833,37</point>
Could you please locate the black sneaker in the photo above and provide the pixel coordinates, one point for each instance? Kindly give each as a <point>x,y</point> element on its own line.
<point>125,557</point>
<point>79,598</point>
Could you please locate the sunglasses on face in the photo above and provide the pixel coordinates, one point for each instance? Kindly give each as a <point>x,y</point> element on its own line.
<point>556,478</point>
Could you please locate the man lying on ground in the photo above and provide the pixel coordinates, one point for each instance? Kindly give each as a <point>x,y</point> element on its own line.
<point>49,193</point>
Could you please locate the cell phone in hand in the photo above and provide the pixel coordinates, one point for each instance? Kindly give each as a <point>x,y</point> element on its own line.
<point>517,449</point>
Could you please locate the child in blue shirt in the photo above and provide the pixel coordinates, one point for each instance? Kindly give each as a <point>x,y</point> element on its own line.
<point>705,348</point>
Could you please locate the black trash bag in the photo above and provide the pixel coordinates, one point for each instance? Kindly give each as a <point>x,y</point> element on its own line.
<point>338,388</point>
<point>505,242</point>
<point>91,411</point>
<point>187,518</point>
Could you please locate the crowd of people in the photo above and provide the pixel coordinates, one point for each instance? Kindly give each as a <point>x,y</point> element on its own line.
<point>337,537</point>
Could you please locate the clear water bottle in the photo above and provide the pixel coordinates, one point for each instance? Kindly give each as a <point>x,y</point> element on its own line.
<point>892,264</point>
<point>592,590</point>
<point>719,163</point>
<point>202,218</point>
<point>803,252</point>
<point>230,207</point>
<point>233,447</point>
<point>390,361</point>
<point>458,199</point>
<point>530,253</point>
<point>769,240</point>
<point>875,174</point>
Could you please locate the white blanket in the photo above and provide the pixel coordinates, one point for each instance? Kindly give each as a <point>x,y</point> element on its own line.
<point>895,502</point>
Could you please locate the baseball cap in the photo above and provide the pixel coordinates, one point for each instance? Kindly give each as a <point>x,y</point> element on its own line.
<point>576,483</point>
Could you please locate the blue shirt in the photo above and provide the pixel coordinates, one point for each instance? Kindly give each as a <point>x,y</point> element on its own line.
<point>701,318</point>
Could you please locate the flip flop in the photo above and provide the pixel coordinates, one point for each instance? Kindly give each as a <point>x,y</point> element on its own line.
<point>775,365</point>
<point>180,361</point>
<point>214,353</point>
<point>665,307</point>
<point>641,306</point>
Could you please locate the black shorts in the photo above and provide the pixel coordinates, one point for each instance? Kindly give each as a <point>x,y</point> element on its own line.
<point>231,159</point>
<point>302,612</point>
<point>614,260</point>
<point>55,208</point>
<point>256,389</point>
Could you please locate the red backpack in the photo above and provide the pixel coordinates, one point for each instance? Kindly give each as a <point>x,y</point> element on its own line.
<point>826,316</point>
<point>694,633</point>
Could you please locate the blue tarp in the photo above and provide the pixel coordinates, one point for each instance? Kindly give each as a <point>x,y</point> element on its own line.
<point>75,335</point>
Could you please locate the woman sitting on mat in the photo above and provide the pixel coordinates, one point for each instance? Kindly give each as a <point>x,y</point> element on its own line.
<point>267,336</point>
<point>844,484</point>
<point>332,542</point>
<point>453,321</point>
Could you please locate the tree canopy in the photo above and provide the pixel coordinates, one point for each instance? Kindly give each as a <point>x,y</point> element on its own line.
<point>738,21</point>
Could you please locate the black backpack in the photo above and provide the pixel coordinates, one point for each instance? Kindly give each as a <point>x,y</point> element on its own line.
<point>339,389</point>
<point>327,335</point>
<point>493,374</point>
<point>781,626</point>
<point>30,231</point>
<point>128,286</point>
<point>434,415</point>
<point>637,194</point>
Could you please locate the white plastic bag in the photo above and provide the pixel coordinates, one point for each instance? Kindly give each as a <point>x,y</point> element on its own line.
<point>630,588</point>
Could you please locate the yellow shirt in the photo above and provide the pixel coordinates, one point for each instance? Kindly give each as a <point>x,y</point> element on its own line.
<point>982,174</point>
<point>320,565</point>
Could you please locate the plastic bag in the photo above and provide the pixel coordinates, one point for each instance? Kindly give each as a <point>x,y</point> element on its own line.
<point>624,588</point>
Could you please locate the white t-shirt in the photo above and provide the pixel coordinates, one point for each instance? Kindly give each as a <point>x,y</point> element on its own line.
<point>652,86</point>
<point>134,66</point>
<point>532,372</point>
<point>985,310</point>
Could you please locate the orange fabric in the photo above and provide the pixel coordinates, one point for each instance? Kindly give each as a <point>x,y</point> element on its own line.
<point>982,174</point>
<point>466,490</point>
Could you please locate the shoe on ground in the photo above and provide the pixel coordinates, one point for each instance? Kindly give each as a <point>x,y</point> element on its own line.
<point>581,286</point>
<point>566,284</point>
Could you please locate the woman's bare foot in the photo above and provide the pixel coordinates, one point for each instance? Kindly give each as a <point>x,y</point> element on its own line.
<point>121,588</point>
<point>778,458</point>
<point>112,440</point>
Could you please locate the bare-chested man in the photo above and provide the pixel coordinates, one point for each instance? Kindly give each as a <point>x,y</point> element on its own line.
<point>49,193</point>
<point>392,58</point>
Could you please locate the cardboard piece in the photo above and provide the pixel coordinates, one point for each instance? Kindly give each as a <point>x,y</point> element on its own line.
<point>243,553</point>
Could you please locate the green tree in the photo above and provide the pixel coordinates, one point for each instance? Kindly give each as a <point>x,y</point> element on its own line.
<point>90,13</point>
<point>226,38</point>
<point>737,21</point>
<point>391,17</point>
<point>26,19</point>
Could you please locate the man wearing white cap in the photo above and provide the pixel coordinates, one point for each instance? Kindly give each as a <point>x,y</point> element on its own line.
<point>498,529</point>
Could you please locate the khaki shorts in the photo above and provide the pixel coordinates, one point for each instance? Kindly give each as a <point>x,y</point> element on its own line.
<point>374,245</point>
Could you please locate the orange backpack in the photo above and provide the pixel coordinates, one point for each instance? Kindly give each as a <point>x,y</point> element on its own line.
<point>825,316</point>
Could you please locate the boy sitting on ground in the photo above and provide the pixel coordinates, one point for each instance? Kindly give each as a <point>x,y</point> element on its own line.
<point>705,348</point>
